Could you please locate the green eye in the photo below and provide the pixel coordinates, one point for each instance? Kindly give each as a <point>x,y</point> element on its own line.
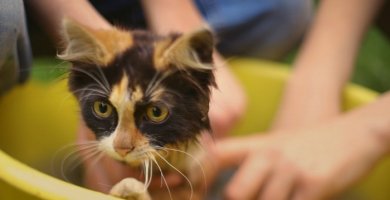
<point>102,109</point>
<point>156,113</point>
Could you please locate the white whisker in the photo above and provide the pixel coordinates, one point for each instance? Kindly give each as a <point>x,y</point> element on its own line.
<point>107,90</point>
<point>181,173</point>
<point>89,88</point>
<point>88,148</point>
<point>90,154</point>
<point>154,83</point>
<point>151,82</point>
<point>91,94</point>
<point>192,157</point>
<point>97,158</point>
<point>150,173</point>
<point>104,78</point>
<point>163,178</point>
<point>146,172</point>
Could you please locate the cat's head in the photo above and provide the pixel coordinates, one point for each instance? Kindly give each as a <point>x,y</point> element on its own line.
<point>138,91</point>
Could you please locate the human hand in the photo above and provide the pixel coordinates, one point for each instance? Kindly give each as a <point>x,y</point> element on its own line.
<point>228,100</point>
<point>311,164</point>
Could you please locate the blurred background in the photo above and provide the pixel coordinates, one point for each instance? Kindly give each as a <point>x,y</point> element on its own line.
<point>372,71</point>
<point>372,66</point>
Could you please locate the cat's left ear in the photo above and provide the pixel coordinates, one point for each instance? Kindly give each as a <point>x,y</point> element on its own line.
<point>92,46</point>
<point>189,51</point>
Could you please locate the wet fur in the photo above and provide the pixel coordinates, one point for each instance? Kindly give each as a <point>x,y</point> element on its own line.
<point>132,69</point>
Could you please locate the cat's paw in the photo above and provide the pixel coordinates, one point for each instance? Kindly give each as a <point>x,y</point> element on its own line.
<point>130,189</point>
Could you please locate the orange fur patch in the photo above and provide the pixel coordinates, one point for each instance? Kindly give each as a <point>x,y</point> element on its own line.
<point>120,93</point>
<point>128,136</point>
<point>160,47</point>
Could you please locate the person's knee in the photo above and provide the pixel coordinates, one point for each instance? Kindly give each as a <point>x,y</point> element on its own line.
<point>11,16</point>
<point>15,55</point>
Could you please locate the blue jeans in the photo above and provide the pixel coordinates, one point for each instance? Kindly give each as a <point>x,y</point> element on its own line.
<point>257,28</point>
<point>15,52</point>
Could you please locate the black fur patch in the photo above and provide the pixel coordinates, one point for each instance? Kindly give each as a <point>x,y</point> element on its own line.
<point>187,96</point>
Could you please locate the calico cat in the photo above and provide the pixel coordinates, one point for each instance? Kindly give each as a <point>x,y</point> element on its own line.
<point>141,94</point>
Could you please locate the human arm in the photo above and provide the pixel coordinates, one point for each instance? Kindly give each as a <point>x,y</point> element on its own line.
<point>325,62</point>
<point>50,13</point>
<point>311,163</point>
<point>311,102</point>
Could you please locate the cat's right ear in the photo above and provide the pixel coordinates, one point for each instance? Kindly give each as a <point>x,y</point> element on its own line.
<point>190,51</point>
<point>87,45</point>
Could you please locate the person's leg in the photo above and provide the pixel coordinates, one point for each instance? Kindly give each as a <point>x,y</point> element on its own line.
<point>15,53</point>
<point>257,28</point>
<point>23,47</point>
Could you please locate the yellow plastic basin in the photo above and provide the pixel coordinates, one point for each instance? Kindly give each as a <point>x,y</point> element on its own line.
<point>38,119</point>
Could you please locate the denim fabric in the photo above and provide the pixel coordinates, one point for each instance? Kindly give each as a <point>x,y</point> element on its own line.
<point>257,28</point>
<point>15,52</point>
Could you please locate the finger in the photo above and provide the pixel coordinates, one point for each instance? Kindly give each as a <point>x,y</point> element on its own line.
<point>280,185</point>
<point>249,178</point>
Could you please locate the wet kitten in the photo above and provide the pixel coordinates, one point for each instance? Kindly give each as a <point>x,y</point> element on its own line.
<point>142,95</point>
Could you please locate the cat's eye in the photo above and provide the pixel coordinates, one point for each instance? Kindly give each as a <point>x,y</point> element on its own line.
<point>102,109</point>
<point>157,113</point>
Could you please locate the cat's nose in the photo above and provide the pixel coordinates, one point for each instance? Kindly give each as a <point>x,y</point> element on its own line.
<point>124,151</point>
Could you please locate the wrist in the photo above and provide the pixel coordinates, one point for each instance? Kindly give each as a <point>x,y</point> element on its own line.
<point>379,132</point>
<point>303,102</point>
<point>373,121</point>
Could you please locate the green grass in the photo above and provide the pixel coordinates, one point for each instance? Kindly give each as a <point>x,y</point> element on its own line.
<point>373,63</point>
<point>48,69</point>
